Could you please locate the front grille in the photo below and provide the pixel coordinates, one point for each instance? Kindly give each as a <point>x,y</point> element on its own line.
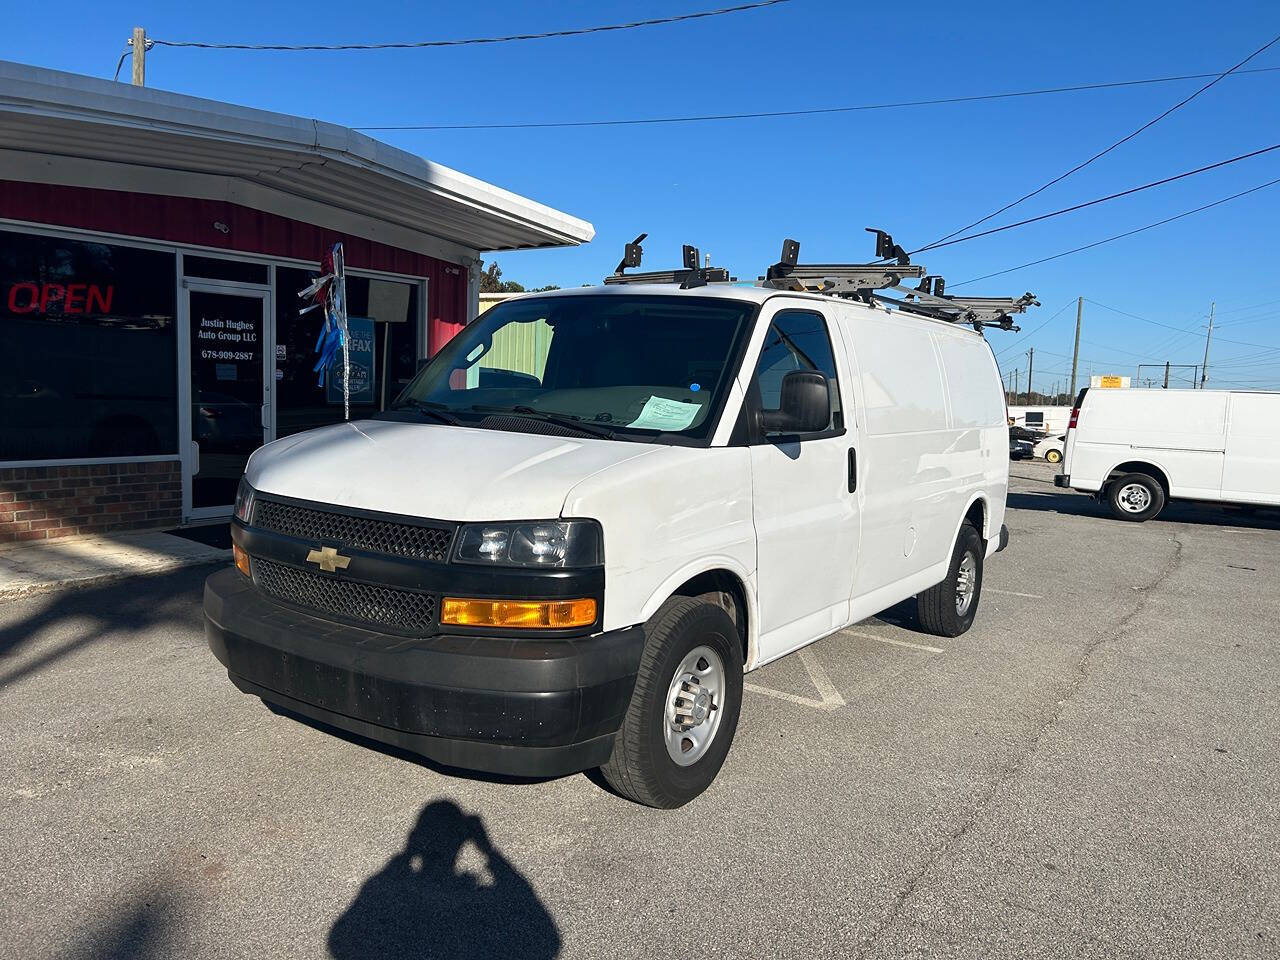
<point>412,540</point>
<point>380,608</point>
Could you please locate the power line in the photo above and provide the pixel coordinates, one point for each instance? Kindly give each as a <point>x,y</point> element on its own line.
<point>419,44</point>
<point>1123,140</point>
<point>1157,323</point>
<point>1091,203</point>
<point>807,112</point>
<point>1119,236</point>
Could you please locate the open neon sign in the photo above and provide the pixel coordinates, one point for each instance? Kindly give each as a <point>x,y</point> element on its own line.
<point>73,298</point>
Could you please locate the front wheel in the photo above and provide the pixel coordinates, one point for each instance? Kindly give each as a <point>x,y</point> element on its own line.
<point>684,710</point>
<point>948,609</point>
<point>1135,497</point>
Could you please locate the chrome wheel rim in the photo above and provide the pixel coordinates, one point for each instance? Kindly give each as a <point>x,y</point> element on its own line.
<point>1133,498</point>
<point>695,702</point>
<point>966,583</point>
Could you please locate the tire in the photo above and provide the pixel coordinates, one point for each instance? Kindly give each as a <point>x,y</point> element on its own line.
<point>1053,456</point>
<point>940,609</point>
<point>642,767</point>
<point>1135,497</point>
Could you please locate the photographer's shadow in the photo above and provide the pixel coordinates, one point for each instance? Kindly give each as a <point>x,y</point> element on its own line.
<point>425,903</point>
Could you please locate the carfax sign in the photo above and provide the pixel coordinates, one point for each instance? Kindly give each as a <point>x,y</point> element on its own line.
<point>362,379</point>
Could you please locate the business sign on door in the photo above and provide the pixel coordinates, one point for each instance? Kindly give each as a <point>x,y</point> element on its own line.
<point>361,379</point>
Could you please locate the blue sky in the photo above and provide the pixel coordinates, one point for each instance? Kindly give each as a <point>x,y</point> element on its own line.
<point>737,188</point>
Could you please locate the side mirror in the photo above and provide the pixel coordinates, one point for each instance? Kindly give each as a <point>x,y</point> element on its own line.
<point>804,405</point>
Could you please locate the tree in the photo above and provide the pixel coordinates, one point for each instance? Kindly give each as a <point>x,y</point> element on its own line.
<point>491,282</point>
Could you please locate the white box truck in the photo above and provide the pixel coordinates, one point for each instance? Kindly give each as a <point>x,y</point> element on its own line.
<point>1139,449</point>
<point>571,565</point>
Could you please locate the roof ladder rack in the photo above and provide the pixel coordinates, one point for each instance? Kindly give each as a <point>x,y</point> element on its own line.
<point>863,281</point>
<point>841,279</point>
<point>694,273</point>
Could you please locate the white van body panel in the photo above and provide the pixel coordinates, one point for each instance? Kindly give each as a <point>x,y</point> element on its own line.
<point>667,517</point>
<point>434,470</point>
<point>934,441</point>
<point>1251,470</point>
<point>1214,445</point>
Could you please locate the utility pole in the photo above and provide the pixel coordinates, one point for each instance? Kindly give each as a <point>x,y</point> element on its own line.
<point>1166,374</point>
<point>1075,354</point>
<point>1015,387</point>
<point>139,45</point>
<point>1204,367</point>
<point>1031,360</point>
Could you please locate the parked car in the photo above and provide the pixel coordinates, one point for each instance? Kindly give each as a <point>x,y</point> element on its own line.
<point>1020,449</point>
<point>1139,449</point>
<point>547,577</point>
<point>1050,448</point>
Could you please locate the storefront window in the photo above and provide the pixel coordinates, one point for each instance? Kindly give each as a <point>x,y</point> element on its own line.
<point>380,368</point>
<point>88,350</point>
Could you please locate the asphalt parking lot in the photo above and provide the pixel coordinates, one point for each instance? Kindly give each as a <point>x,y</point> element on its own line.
<point>1091,772</point>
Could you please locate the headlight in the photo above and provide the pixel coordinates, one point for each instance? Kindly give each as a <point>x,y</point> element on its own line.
<point>244,501</point>
<point>545,543</point>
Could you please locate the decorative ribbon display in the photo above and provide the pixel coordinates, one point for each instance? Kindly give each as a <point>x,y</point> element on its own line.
<point>328,292</point>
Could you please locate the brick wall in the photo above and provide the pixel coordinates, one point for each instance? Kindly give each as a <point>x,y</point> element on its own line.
<point>38,503</point>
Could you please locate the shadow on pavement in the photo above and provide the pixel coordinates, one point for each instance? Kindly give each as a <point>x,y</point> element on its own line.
<point>139,930</point>
<point>120,610</point>
<point>1082,505</point>
<point>448,893</point>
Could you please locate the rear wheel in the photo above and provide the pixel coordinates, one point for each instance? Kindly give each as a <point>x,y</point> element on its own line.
<point>948,609</point>
<point>684,710</point>
<point>1053,456</point>
<point>1135,497</point>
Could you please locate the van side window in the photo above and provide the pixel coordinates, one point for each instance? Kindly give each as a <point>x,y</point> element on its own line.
<point>797,340</point>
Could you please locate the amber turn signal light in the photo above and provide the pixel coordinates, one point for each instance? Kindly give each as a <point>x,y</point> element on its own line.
<point>521,614</point>
<point>241,558</point>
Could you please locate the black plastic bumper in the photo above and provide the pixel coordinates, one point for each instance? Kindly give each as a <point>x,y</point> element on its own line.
<point>521,706</point>
<point>1061,480</point>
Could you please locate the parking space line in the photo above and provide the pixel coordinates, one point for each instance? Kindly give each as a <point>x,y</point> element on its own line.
<point>1015,593</point>
<point>898,643</point>
<point>831,698</point>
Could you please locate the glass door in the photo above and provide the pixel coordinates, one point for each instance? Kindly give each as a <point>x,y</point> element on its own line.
<point>230,393</point>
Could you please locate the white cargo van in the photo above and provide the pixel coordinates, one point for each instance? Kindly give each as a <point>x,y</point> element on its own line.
<point>1138,449</point>
<point>595,508</point>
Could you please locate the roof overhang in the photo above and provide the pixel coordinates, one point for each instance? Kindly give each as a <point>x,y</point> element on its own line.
<point>64,127</point>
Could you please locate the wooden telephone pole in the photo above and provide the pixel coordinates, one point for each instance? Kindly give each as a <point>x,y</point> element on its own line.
<point>1075,354</point>
<point>139,45</point>
<point>1031,360</point>
<point>1204,367</point>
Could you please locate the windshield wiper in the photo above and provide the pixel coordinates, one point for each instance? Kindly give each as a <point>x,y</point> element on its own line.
<point>566,420</point>
<point>430,410</point>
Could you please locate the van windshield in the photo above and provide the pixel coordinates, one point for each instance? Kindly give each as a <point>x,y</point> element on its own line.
<point>616,366</point>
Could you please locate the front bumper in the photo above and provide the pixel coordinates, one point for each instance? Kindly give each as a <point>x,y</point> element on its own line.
<point>519,706</point>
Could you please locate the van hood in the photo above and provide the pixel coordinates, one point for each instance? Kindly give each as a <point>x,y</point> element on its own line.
<point>434,470</point>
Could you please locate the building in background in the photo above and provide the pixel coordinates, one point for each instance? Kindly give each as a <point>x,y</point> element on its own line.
<point>152,246</point>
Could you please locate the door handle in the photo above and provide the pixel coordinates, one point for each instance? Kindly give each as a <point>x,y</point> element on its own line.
<point>853,469</point>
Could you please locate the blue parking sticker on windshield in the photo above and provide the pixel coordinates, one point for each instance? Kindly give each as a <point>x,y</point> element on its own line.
<point>695,387</point>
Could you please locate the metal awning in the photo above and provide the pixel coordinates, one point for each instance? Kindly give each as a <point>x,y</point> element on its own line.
<point>66,115</point>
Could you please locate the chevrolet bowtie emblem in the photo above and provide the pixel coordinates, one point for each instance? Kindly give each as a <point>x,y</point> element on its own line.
<point>329,559</point>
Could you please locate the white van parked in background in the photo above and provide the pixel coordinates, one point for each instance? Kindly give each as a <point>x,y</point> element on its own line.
<point>569,565</point>
<point>1138,449</point>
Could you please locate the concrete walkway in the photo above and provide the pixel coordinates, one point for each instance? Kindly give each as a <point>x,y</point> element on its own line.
<point>73,563</point>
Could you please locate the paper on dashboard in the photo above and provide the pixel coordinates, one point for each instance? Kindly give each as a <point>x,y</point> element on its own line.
<point>659,413</point>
